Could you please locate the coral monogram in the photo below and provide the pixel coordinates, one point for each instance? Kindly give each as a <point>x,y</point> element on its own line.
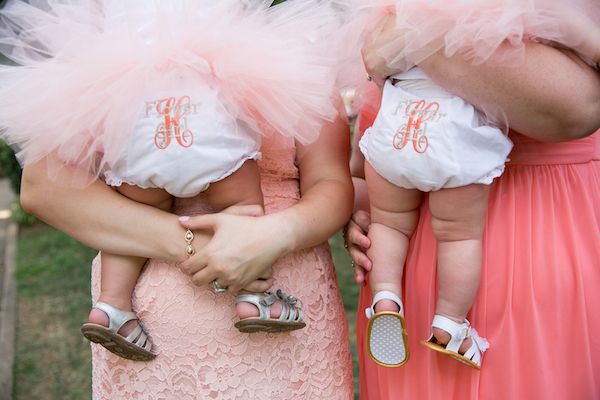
<point>174,125</point>
<point>414,131</point>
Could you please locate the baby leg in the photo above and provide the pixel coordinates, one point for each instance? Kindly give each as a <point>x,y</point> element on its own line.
<point>394,216</point>
<point>458,218</point>
<point>120,273</point>
<point>240,188</point>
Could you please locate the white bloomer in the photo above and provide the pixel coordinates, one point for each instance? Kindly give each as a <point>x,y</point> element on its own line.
<point>428,139</point>
<point>184,140</point>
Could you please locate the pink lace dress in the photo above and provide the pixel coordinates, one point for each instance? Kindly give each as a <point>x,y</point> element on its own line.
<point>202,355</point>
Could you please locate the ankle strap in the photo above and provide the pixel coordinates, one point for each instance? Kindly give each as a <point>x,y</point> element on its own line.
<point>384,295</point>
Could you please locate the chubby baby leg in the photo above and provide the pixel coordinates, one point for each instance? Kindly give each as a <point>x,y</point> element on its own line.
<point>394,216</point>
<point>120,273</point>
<point>458,219</point>
<point>240,188</point>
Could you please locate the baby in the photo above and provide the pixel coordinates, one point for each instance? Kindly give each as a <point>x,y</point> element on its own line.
<point>427,140</point>
<point>165,99</point>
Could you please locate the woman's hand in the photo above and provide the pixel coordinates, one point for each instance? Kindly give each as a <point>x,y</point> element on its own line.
<point>241,252</point>
<point>376,66</point>
<point>357,243</point>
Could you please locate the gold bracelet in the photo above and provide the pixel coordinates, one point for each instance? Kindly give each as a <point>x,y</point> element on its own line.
<point>189,238</point>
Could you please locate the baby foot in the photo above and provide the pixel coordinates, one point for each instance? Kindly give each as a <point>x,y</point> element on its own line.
<point>99,317</point>
<point>268,312</point>
<point>247,310</point>
<point>386,305</point>
<point>442,337</point>
<point>129,342</point>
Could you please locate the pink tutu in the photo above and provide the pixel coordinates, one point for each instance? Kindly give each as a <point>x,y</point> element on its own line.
<point>84,64</point>
<point>492,31</point>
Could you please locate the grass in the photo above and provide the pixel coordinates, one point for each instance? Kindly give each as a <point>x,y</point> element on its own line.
<point>349,291</point>
<point>52,359</point>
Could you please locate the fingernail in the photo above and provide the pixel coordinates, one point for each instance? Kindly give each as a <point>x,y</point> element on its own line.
<point>184,218</point>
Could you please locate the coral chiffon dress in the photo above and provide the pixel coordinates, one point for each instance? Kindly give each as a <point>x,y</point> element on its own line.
<point>540,286</point>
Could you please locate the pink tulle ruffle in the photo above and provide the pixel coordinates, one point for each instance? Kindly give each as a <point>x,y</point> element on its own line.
<point>482,31</point>
<point>84,63</point>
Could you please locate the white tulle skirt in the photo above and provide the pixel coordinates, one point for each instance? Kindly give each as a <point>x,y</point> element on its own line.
<point>87,69</point>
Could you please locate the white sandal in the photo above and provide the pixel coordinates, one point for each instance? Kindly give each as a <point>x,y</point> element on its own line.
<point>136,346</point>
<point>387,342</point>
<point>458,334</point>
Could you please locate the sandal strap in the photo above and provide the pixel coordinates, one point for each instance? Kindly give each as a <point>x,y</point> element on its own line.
<point>384,295</point>
<point>458,333</point>
<point>142,340</point>
<point>291,307</point>
<point>262,301</point>
<point>134,334</point>
<point>116,317</point>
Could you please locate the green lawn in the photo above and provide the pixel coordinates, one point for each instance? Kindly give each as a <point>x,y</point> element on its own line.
<point>52,358</point>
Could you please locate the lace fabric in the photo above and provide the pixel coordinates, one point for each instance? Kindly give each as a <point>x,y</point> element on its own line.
<point>201,354</point>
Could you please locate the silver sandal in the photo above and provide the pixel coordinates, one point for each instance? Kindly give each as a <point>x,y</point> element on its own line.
<point>291,318</point>
<point>136,346</point>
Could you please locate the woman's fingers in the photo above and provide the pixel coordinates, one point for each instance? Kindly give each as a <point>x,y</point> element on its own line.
<point>355,236</point>
<point>359,275</point>
<point>198,222</point>
<point>357,242</point>
<point>376,72</point>
<point>206,276</point>
<point>268,274</point>
<point>359,258</point>
<point>248,211</point>
<point>259,286</point>
<point>356,231</point>
<point>362,219</point>
<point>377,66</point>
<point>195,263</point>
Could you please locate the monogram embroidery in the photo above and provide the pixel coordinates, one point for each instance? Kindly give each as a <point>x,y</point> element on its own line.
<point>174,124</point>
<point>414,131</point>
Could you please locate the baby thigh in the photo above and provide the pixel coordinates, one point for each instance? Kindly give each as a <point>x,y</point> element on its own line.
<point>240,188</point>
<point>458,219</point>
<point>158,198</point>
<point>394,217</point>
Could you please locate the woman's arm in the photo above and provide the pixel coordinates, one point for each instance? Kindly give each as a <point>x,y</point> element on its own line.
<point>552,96</point>
<point>243,247</point>
<point>105,220</point>
<point>357,160</point>
<point>326,187</point>
<point>102,218</point>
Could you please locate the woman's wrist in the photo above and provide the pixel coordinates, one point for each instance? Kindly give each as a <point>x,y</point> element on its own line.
<point>175,245</point>
<point>284,230</point>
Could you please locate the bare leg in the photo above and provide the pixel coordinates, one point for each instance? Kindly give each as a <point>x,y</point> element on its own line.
<point>458,219</point>
<point>394,216</point>
<point>120,273</point>
<point>240,188</point>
